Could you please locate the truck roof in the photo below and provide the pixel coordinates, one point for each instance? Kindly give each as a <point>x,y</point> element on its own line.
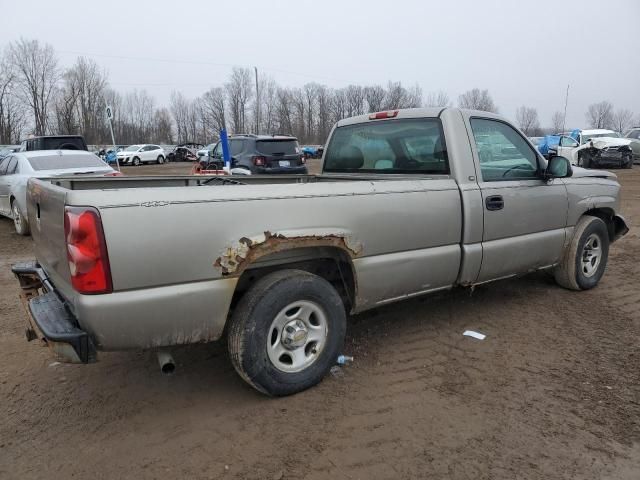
<point>426,112</point>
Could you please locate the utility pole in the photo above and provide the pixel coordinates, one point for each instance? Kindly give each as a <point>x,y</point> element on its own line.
<point>566,100</point>
<point>257,102</point>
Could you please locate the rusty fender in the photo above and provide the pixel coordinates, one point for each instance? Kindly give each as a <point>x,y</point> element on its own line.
<point>236,258</point>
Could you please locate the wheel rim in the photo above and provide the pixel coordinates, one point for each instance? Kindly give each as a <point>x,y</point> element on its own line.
<point>17,220</point>
<point>297,336</point>
<point>591,255</point>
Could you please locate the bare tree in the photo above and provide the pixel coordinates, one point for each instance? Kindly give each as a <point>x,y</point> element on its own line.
<point>91,83</point>
<point>324,113</point>
<point>310,91</point>
<point>375,98</point>
<point>622,120</point>
<point>162,127</point>
<point>477,99</point>
<point>213,108</point>
<point>37,73</point>
<point>268,105</point>
<point>66,114</point>
<point>527,119</point>
<point>437,99</point>
<point>239,92</point>
<point>557,122</point>
<point>179,106</point>
<point>12,113</point>
<point>600,115</point>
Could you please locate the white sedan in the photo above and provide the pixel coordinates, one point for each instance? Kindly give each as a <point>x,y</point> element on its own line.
<point>16,169</point>
<point>139,154</point>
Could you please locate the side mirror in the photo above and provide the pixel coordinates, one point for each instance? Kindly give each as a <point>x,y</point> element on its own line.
<point>558,167</point>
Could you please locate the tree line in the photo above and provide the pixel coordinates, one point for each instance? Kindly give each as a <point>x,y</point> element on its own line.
<point>38,97</point>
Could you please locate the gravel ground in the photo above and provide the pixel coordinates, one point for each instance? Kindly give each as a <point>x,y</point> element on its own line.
<point>553,392</point>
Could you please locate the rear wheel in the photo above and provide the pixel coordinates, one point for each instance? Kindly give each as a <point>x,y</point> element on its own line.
<point>287,332</point>
<point>19,221</point>
<point>585,259</point>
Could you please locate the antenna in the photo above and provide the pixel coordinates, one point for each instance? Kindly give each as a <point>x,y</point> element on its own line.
<point>566,100</point>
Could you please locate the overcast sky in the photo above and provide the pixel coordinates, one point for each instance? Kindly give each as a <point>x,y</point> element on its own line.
<point>525,53</point>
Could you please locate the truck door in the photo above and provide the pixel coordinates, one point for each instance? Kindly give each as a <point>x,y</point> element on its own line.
<point>524,217</point>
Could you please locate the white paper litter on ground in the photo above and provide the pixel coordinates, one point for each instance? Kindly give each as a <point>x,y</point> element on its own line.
<point>471,333</point>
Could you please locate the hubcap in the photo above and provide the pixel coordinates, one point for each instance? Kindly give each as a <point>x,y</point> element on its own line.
<point>297,336</point>
<point>591,255</point>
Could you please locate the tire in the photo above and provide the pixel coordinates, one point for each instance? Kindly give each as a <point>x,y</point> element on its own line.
<point>160,160</point>
<point>258,332</point>
<point>20,223</point>
<point>584,161</point>
<point>629,162</point>
<point>573,272</point>
<point>135,162</point>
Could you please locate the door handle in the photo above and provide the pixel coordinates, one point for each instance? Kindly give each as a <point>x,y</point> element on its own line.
<point>494,202</point>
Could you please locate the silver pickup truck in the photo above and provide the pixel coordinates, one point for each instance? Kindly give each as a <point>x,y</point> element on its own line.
<point>409,202</point>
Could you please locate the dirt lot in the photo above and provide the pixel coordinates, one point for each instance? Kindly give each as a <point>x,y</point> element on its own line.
<point>553,392</point>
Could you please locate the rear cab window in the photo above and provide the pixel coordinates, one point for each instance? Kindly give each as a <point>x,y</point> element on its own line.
<point>414,145</point>
<point>61,162</point>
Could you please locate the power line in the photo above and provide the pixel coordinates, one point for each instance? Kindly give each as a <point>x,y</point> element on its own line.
<point>200,62</point>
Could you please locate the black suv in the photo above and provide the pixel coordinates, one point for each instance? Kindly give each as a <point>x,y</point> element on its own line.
<point>54,142</point>
<point>261,154</point>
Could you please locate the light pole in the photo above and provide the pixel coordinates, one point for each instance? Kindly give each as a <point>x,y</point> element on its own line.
<point>257,102</point>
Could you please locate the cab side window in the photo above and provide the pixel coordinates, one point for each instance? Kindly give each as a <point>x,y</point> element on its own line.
<point>504,155</point>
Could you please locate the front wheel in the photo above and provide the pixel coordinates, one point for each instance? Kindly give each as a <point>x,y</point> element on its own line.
<point>287,332</point>
<point>136,162</point>
<point>585,259</point>
<point>628,162</point>
<point>19,221</point>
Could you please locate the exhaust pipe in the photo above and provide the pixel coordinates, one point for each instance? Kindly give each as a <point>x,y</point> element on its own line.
<point>167,365</point>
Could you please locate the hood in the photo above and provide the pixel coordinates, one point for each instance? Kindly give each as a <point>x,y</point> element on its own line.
<point>610,142</point>
<point>579,172</point>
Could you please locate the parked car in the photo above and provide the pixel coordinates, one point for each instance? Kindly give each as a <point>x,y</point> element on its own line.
<point>634,136</point>
<point>312,151</point>
<point>54,142</point>
<point>8,150</point>
<point>404,207</point>
<point>18,168</point>
<point>595,148</point>
<point>263,154</point>
<point>185,152</point>
<point>139,154</point>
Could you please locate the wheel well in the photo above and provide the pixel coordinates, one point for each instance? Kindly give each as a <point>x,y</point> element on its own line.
<point>606,215</point>
<point>332,264</point>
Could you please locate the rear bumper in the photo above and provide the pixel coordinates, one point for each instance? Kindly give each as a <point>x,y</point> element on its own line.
<point>49,314</point>
<point>281,170</point>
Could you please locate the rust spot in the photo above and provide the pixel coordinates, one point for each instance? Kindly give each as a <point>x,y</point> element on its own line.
<point>236,258</point>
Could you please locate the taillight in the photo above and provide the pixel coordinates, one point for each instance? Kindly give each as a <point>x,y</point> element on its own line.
<point>381,115</point>
<point>87,251</point>
<point>259,161</point>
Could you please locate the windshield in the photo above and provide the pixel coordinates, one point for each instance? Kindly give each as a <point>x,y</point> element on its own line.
<point>391,146</point>
<point>63,162</point>
<point>586,138</point>
<point>277,147</point>
<point>132,148</point>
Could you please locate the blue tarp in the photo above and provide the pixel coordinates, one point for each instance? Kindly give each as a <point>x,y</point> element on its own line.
<point>548,141</point>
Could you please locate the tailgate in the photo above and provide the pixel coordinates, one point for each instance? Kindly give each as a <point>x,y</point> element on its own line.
<point>45,206</point>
